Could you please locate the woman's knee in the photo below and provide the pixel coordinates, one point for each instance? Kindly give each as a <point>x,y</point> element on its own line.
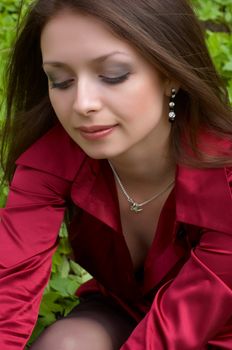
<point>74,334</point>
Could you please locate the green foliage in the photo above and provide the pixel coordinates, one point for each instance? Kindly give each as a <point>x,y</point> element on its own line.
<point>9,16</point>
<point>218,11</point>
<point>3,193</point>
<point>59,295</point>
<point>220,47</point>
<point>217,14</point>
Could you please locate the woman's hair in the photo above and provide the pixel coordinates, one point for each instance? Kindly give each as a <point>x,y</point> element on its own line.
<point>166,33</point>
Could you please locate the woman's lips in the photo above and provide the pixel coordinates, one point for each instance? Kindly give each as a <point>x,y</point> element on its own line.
<point>96,132</point>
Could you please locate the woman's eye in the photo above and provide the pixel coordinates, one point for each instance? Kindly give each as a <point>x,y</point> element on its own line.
<point>62,85</point>
<point>114,80</point>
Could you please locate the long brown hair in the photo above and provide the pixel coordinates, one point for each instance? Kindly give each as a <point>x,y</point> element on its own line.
<point>167,33</point>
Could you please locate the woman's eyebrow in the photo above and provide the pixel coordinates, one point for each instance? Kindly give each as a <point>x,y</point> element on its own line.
<point>95,60</point>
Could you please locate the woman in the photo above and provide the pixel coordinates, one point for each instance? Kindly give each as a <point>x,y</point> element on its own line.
<point>119,119</point>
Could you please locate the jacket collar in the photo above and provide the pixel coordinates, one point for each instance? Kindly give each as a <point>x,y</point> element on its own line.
<point>201,198</point>
<point>94,190</point>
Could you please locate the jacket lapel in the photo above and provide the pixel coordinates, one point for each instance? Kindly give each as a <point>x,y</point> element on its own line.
<point>94,191</point>
<point>166,251</point>
<point>202,199</point>
<point>106,257</point>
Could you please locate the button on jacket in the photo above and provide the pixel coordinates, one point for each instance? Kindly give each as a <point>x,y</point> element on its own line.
<point>183,301</point>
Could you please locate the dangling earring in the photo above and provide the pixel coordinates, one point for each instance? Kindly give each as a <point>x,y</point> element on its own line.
<point>172,114</point>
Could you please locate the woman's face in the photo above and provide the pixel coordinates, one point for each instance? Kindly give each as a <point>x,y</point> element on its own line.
<point>108,98</point>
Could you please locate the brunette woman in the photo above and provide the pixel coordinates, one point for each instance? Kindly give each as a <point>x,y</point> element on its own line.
<point>117,117</point>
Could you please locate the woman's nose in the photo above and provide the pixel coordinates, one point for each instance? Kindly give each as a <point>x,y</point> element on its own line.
<point>87,97</point>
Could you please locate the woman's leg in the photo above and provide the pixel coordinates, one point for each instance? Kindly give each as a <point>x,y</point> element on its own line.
<point>96,324</point>
<point>74,334</point>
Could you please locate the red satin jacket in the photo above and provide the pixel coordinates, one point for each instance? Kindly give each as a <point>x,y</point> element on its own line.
<point>184,301</point>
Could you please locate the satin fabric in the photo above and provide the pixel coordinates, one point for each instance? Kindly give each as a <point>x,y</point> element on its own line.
<point>183,301</point>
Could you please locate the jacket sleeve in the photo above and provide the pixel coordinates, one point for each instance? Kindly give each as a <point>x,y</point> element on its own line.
<point>191,309</point>
<point>28,229</point>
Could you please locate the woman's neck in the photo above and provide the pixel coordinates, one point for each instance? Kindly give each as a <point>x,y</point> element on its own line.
<point>153,169</point>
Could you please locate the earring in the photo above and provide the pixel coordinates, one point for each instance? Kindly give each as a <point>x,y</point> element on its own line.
<point>172,114</point>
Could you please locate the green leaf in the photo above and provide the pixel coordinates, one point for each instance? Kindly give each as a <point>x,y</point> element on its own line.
<point>64,268</point>
<point>39,328</point>
<point>228,66</point>
<point>64,246</point>
<point>65,286</point>
<point>69,305</point>
<point>72,286</point>
<point>76,268</point>
<point>49,306</point>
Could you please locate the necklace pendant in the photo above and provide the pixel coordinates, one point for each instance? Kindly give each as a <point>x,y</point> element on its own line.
<point>135,207</point>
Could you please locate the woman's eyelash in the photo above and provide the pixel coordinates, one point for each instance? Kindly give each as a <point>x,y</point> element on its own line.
<point>62,85</point>
<point>116,80</point>
<point>65,84</point>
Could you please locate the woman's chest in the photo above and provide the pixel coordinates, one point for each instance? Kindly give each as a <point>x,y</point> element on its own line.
<point>113,252</point>
<point>139,229</point>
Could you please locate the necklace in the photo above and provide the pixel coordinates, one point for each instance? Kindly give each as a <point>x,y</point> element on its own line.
<point>134,206</point>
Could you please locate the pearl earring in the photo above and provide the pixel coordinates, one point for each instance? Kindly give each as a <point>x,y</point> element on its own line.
<point>172,114</point>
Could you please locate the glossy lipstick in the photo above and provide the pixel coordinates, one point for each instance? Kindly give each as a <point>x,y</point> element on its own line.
<point>96,132</point>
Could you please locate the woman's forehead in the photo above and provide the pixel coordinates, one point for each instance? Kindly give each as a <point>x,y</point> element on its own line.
<point>84,36</point>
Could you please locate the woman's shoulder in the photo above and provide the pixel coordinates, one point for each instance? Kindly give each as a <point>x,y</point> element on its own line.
<point>204,197</point>
<point>56,153</point>
<point>214,144</point>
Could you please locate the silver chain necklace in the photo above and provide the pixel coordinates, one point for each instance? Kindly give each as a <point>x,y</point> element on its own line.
<point>134,206</point>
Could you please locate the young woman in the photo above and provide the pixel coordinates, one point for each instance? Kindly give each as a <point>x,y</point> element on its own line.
<point>117,117</point>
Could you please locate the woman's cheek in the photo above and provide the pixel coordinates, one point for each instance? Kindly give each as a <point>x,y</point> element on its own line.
<point>60,105</point>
